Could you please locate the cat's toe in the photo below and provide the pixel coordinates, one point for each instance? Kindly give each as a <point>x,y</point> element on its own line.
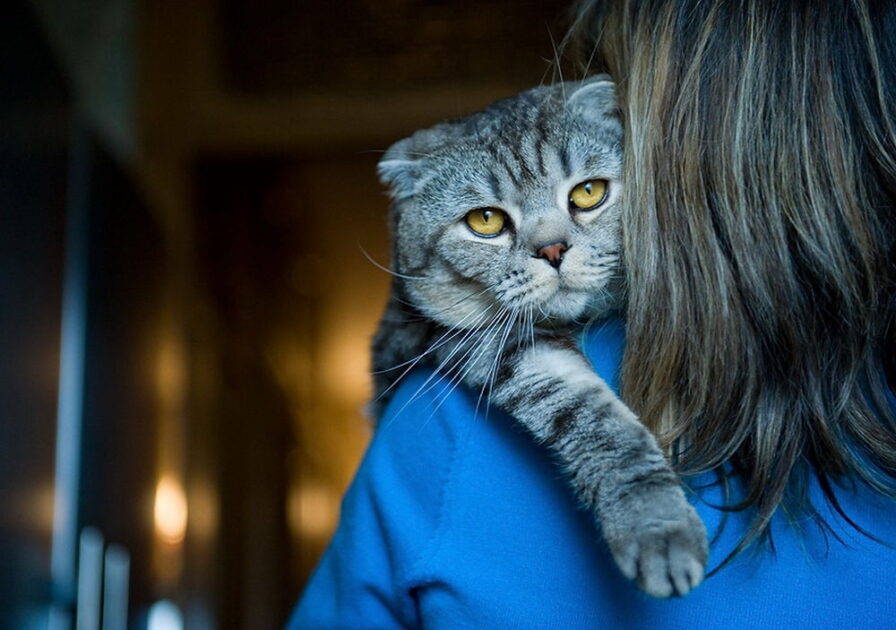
<point>671,563</point>
<point>626,556</point>
<point>666,557</point>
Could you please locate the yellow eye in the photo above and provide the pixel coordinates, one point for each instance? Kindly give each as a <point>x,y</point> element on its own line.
<point>588,195</point>
<point>486,222</point>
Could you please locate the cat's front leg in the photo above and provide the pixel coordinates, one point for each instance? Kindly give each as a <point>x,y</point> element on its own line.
<point>613,462</point>
<point>653,533</point>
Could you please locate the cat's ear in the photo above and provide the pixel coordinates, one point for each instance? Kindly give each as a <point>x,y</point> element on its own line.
<point>403,163</point>
<point>399,169</point>
<point>593,98</point>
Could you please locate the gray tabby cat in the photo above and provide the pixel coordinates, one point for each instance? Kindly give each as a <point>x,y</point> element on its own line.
<point>506,235</point>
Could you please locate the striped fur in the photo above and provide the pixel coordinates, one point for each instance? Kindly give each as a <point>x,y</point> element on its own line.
<point>489,313</point>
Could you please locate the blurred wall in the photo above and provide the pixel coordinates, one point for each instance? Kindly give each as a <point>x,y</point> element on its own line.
<point>232,301</point>
<point>34,130</point>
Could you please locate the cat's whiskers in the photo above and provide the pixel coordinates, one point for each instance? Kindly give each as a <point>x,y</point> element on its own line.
<point>468,365</point>
<point>533,296</point>
<point>391,272</point>
<point>459,364</point>
<point>439,370</point>
<point>557,66</point>
<point>532,326</point>
<point>587,69</point>
<point>525,290</point>
<point>459,370</point>
<point>493,370</point>
<point>444,339</point>
<point>469,296</point>
<point>506,325</point>
<point>447,336</point>
<point>433,313</point>
<point>406,318</point>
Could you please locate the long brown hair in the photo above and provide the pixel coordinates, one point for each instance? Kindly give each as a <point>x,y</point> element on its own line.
<point>759,241</point>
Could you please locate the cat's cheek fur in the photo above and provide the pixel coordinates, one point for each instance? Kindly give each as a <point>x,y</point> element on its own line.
<point>473,257</point>
<point>451,302</point>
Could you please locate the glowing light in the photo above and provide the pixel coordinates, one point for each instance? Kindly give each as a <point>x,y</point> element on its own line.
<point>170,375</point>
<point>164,615</point>
<point>312,510</point>
<point>203,510</point>
<point>170,510</point>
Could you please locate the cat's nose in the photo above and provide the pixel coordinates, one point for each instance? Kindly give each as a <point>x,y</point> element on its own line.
<point>553,253</point>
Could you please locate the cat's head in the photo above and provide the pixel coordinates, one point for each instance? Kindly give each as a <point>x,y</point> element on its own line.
<point>513,209</point>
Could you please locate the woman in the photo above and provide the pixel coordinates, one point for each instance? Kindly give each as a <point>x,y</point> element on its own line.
<point>759,340</point>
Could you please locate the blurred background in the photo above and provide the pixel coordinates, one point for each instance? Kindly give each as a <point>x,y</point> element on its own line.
<point>186,187</point>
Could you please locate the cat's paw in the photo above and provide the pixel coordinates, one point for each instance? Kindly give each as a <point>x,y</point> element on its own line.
<point>661,544</point>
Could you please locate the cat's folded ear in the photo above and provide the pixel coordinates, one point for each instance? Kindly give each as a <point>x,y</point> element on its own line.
<point>398,169</point>
<point>402,164</point>
<point>594,98</point>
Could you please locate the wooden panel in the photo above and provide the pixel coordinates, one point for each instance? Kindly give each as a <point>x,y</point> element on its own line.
<point>290,305</point>
<point>376,46</point>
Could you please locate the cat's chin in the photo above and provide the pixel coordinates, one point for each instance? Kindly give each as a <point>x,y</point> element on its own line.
<point>569,307</point>
<point>565,307</point>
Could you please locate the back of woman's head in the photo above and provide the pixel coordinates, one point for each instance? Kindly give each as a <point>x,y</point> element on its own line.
<point>761,219</point>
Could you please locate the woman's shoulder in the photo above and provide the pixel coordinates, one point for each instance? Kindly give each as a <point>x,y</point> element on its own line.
<point>432,408</point>
<point>505,535</point>
<point>457,518</point>
<point>476,481</point>
<point>392,513</point>
<point>510,548</point>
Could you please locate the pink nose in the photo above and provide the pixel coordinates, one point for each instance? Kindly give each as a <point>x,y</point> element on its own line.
<point>552,253</point>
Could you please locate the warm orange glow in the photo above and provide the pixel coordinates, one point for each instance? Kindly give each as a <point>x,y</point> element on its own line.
<point>170,372</point>
<point>170,510</point>
<point>203,510</point>
<point>345,362</point>
<point>312,511</point>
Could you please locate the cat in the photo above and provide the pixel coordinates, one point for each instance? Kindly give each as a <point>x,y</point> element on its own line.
<point>506,237</point>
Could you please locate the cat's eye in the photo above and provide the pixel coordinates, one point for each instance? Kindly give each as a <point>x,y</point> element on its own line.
<point>588,195</point>
<point>487,222</point>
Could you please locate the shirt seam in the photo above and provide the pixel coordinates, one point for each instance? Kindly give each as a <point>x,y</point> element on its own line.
<point>421,573</point>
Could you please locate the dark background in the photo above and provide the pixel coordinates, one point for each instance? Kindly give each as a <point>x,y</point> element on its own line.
<point>186,188</point>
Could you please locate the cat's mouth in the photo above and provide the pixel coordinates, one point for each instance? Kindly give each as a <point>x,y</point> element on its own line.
<point>553,296</point>
<point>547,300</point>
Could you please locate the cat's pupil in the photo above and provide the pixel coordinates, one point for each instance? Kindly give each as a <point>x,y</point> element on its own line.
<point>588,188</point>
<point>486,215</point>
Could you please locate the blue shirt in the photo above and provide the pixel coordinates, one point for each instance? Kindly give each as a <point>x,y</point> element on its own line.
<point>458,520</point>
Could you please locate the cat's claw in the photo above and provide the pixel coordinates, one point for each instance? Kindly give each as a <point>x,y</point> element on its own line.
<point>665,556</point>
